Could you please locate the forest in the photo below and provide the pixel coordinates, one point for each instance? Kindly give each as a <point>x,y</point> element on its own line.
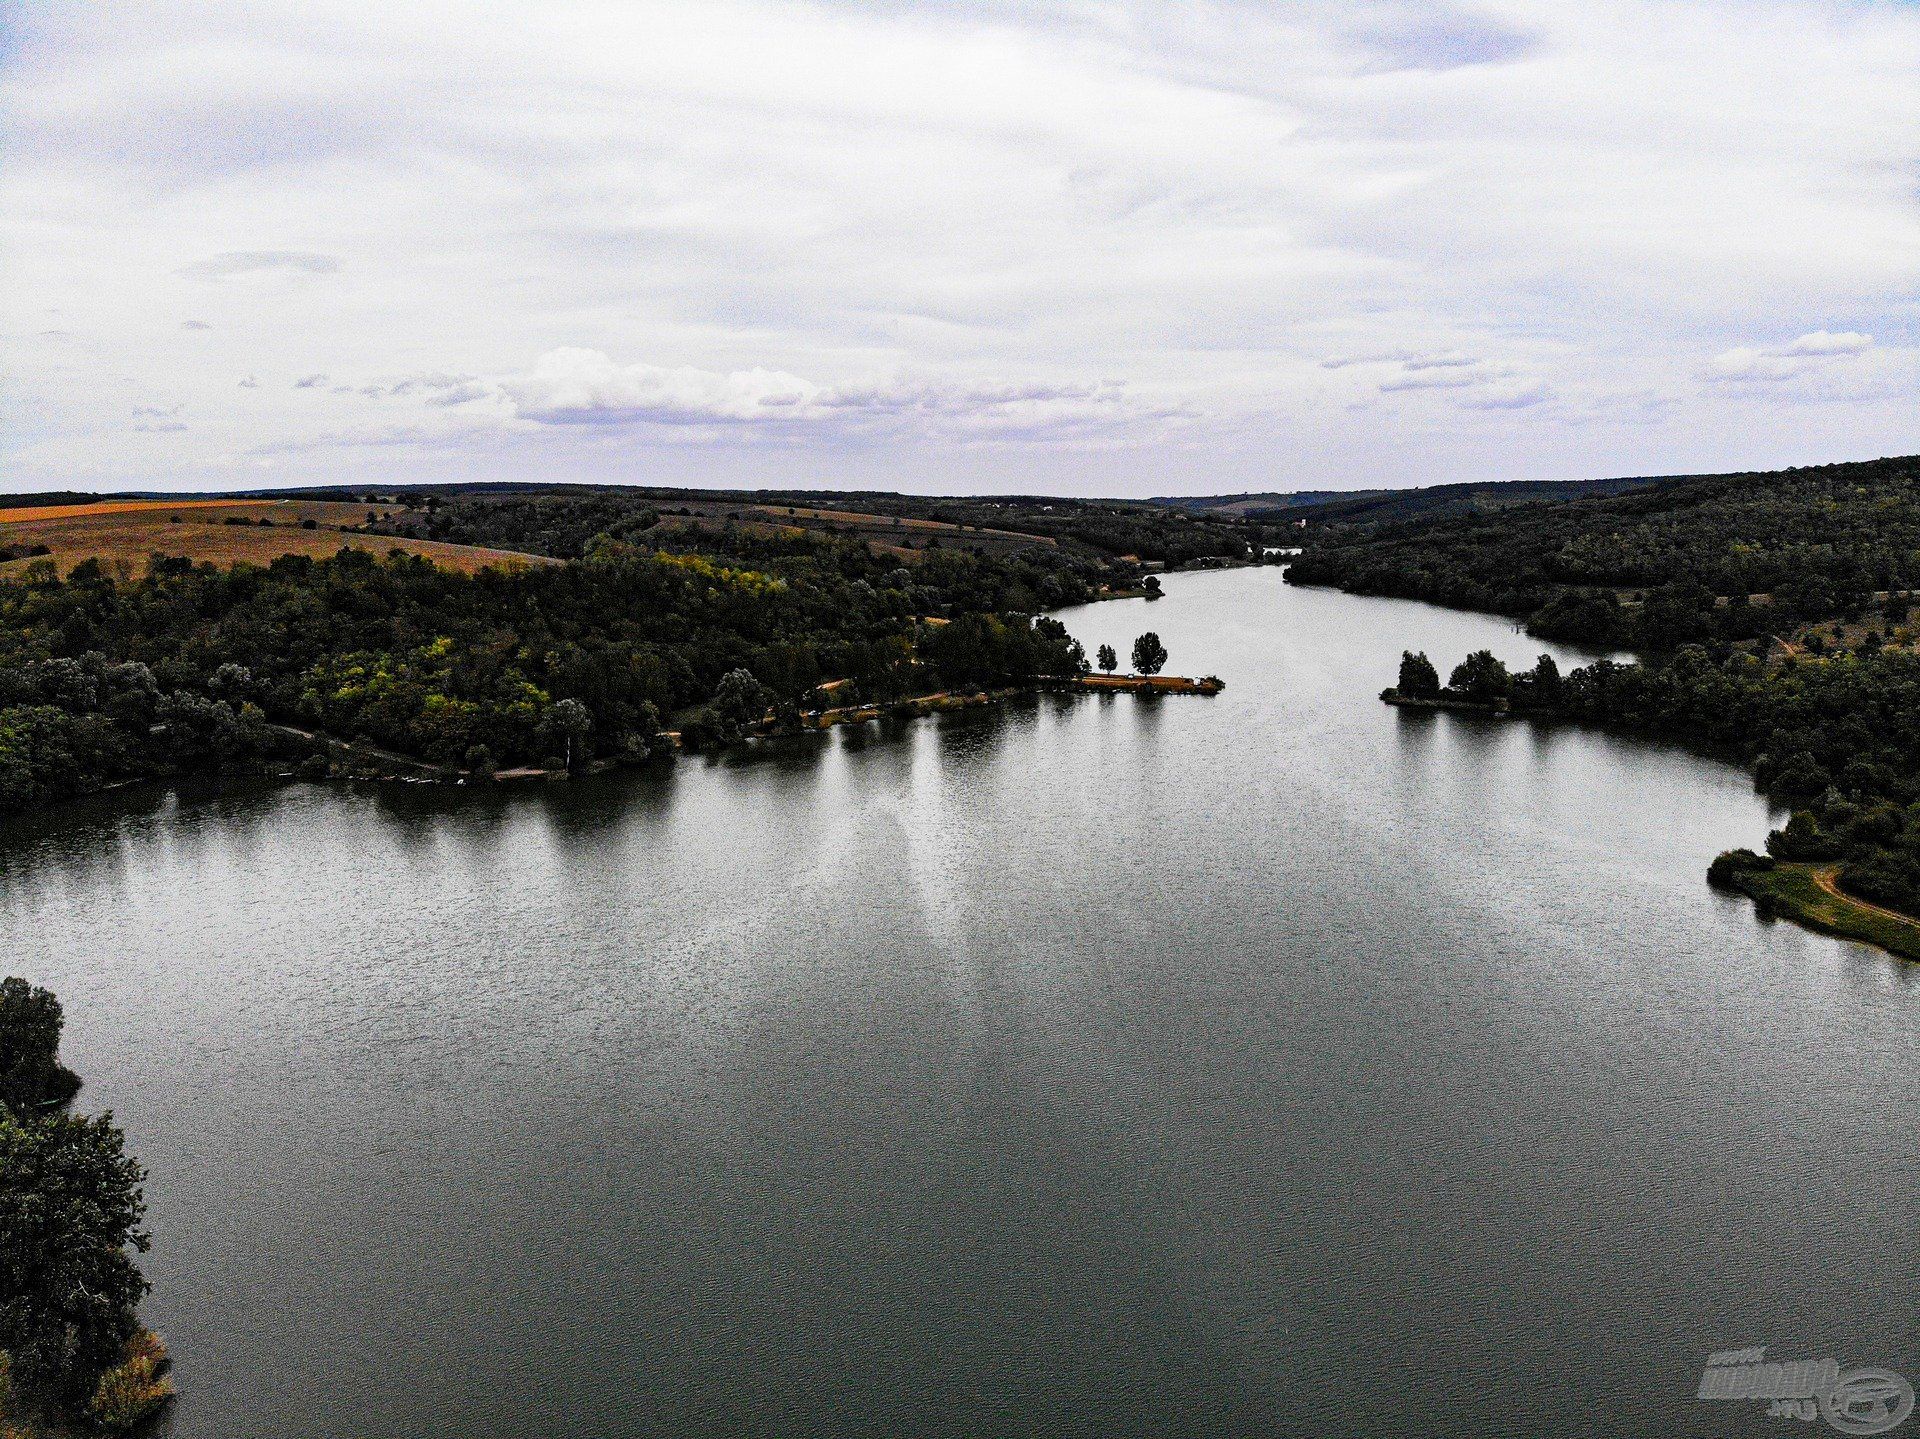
<point>107,678</point>
<point>1724,557</point>
<point>562,521</point>
<point>1771,614</point>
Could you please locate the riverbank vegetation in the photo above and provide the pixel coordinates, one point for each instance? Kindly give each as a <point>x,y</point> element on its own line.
<point>1811,895</point>
<point>636,624</point>
<point>1719,582</point>
<point>73,1355</point>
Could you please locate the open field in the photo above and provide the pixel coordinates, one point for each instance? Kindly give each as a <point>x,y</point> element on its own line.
<point>123,534</point>
<point>111,507</point>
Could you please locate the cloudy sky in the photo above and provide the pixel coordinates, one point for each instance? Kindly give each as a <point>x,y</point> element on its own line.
<point>1088,246</point>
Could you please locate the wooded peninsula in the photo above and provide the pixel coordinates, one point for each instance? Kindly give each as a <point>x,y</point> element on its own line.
<point>468,633</point>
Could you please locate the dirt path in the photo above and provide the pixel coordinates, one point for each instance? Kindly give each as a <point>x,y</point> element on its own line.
<point>1828,878</point>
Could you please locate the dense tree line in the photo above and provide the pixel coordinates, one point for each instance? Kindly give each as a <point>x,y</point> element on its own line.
<point>565,522</point>
<point>1727,558</point>
<point>1833,734</point>
<point>563,526</point>
<point>1171,537</point>
<point>196,667</point>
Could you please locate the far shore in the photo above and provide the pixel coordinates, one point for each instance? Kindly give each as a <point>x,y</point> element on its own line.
<point>351,761</point>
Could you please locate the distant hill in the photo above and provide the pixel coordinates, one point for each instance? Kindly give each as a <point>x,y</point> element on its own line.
<point>1369,507</point>
<point>1263,504</point>
<point>1819,541</point>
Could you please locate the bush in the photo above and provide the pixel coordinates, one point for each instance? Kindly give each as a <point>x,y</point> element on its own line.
<point>1802,839</point>
<point>133,1392</point>
<point>1734,861</point>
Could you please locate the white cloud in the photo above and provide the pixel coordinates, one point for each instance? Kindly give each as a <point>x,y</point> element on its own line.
<point>1518,393</point>
<point>772,241</point>
<point>573,385</point>
<point>254,262</point>
<point>1823,342</point>
<point>1429,380</point>
<point>1745,364</point>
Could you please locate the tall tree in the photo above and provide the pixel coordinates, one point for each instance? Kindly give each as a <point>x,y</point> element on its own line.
<point>70,1209</point>
<point>1418,678</point>
<point>1109,661</point>
<point>1149,655</point>
<point>1481,677</point>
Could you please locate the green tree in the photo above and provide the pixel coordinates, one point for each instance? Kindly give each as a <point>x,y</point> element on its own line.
<point>1481,678</point>
<point>1149,655</point>
<point>568,723</point>
<point>740,700</point>
<point>31,1075</point>
<point>1418,678</point>
<point>1109,661</point>
<point>70,1210</point>
<point>1801,838</point>
<point>1540,687</point>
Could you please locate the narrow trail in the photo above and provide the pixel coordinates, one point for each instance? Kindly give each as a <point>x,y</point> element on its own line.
<point>1828,878</point>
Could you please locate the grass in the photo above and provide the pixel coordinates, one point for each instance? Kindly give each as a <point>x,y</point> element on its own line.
<point>123,534</point>
<point>1796,892</point>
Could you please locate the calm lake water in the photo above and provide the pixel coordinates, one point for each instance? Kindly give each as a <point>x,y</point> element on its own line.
<point>1272,1064</point>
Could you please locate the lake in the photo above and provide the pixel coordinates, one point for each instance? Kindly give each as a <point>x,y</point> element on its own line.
<point>1277,1063</point>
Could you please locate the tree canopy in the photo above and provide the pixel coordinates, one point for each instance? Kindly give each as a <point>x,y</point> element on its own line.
<point>1149,655</point>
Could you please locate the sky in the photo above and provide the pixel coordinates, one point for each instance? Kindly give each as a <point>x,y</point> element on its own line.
<point>1087,247</point>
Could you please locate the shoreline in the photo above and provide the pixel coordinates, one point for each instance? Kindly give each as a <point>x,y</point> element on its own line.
<point>349,762</point>
<point>1809,895</point>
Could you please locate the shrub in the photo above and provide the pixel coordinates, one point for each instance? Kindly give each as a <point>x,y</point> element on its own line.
<point>1734,861</point>
<point>133,1392</point>
<point>1802,839</point>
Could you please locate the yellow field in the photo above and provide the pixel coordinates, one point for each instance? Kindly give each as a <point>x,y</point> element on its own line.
<point>116,507</point>
<point>123,534</point>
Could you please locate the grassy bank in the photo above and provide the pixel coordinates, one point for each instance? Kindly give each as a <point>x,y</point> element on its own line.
<point>1810,894</point>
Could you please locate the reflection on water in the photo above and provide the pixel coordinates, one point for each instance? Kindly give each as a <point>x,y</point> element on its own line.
<point>1279,1062</point>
